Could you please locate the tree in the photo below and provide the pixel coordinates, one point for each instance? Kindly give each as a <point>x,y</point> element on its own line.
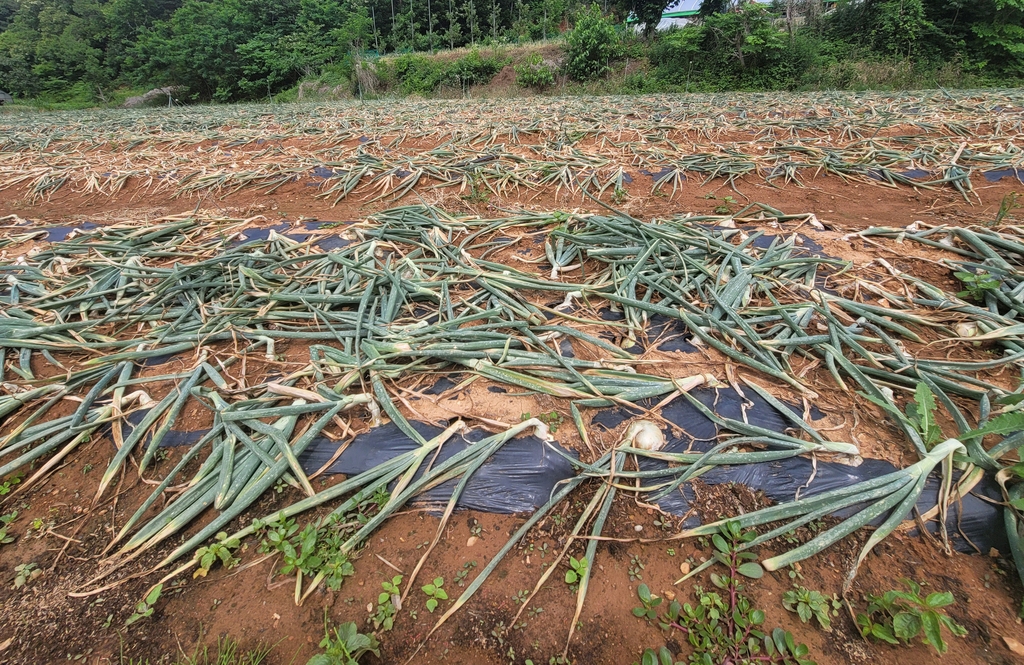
<point>897,25</point>
<point>646,12</point>
<point>709,7</point>
<point>454,16</point>
<point>590,45</point>
<point>1002,36</point>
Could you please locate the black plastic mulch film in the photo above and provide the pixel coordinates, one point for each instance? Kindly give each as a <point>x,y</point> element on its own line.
<point>524,472</point>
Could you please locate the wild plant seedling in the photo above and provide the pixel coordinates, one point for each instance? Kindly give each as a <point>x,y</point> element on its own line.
<point>25,573</point>
<point>899,616</point>
<point>388,603</point>
<point>222,550</point>
<point>434,593</point>
<point>977,285</point>
<point>460,576</point>
<point>7,486</point>
<point>724,626</point>
<point>145,606</point>
<point>346,647</point>
<point>636,567</point>
<point>810,604</point>
<point>520,597</point>
<point>660,657</point>
<point>649,603</point>
<point>577,568</point>
<point>5,523</point>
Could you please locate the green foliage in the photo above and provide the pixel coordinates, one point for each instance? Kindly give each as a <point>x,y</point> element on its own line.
<point>227,653</point>
<point>5,523</point>
<point>1007,204</point>
<point>316,550</point>
<point>7,486</point>
<point>434,593</point>
<point>648,604</point>
<point>976,285</point>
<point>899,616</point>
<point>921,413</point>
<point>636,568</point>
<point>222,549</point>
<point>553,419</point>
<point>809,604</point>
<point>660,657</point>
<point>724,626</point>
<point>74,54</point>
<point>418,74</point>
<point>25,573</point>
<point>577,568</point>
<point>463,573</point>
<point>346,647</point>
<point>388,602</point>
<point>590,45</point>
<point>534,73</point>
<point>145,606</point>
<point>742,49</point>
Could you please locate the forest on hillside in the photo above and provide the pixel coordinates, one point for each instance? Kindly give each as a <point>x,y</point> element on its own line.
<point>236,50</point>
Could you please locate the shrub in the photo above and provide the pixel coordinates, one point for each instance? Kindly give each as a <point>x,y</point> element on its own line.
<point>590,45</point>
<point>534,73</point>
<point>418,74</point>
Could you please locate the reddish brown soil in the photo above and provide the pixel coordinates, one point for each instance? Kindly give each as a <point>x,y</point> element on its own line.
<point>43,624</point>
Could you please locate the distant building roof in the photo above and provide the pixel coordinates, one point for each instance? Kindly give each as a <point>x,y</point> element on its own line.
<point>683,13</point>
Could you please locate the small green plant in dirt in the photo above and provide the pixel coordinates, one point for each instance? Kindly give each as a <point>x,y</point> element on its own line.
<point>577,568</point>
<point>724,626</point>
<point>1008,203</point>
<point>220,550</point>
<point>636,567</point>
<point>346,647</point>
<point>145,606</point>
<point>463,573</point>
<point>553,419</point>
<point>520,597</point>
<point>478,192</point>
<point>388,603</point>
<point>7,486</point>
<point>227,653</point>
<point>900,616</point>
<point>316,550</point>
<point>434,593</point>
<point>660,657</point>
<point>921,412</point>
<point>976,285</point>
<point>619,196</point>
<point>5,524</point>
<point>275,532</point>
<point>649,603</point>
<point>810,604</point>
<point>726,205</point>
<point>25,573</point>
<point>664,522</point>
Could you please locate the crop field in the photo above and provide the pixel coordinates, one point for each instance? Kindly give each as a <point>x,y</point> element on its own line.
<point>549,380</point>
